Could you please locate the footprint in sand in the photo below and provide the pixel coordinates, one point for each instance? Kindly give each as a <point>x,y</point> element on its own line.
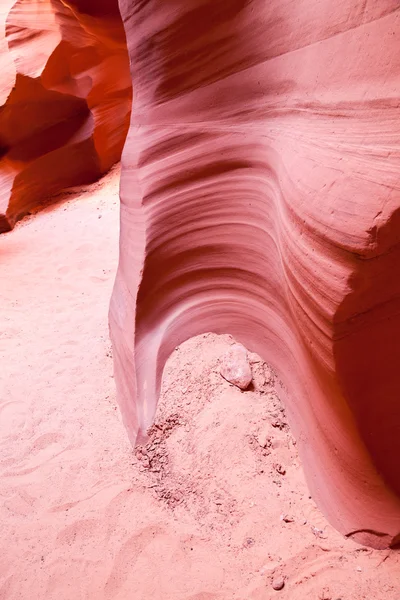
<point>12,419</point>
<point>45,448</point>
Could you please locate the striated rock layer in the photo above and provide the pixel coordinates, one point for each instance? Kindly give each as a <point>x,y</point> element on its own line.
<point>260,197</point>
<point>65,97</point>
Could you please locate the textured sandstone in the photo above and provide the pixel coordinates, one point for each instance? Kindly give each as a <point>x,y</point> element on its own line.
<point>260,197</point>
<point>65,96</point>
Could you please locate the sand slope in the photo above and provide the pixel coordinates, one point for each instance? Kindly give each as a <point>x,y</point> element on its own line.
<point>196,515</point>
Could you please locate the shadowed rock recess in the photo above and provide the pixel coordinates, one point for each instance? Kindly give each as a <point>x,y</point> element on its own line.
<point>260,197</point>
<point>65,98</point>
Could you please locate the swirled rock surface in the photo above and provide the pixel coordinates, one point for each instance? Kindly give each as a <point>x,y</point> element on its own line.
<point>260,197</point>
<point>65,97</point>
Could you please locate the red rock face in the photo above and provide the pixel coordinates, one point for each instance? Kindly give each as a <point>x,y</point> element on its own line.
<point>260,197</point>
<point>65,97</point>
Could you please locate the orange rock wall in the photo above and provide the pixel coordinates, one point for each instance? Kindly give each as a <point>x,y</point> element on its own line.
<point>65,98</point>
<point>260,197</point>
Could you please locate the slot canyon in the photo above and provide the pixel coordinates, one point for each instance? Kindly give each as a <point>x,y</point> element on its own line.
<point>259,203</point>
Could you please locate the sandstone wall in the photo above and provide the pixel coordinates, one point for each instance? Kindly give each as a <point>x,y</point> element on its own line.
<point>65,98</point>
<point>260,197</point>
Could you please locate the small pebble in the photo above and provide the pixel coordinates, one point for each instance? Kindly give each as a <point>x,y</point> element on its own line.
<point>280,469</point>
<point>286,519</point>
<point>319,533</point>
<point>278,583</point>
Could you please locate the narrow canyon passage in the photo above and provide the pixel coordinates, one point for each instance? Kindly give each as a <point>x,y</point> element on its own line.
<point>216,507</point>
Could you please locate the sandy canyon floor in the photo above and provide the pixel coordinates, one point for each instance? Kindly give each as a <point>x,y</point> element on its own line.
<point>215,507</point>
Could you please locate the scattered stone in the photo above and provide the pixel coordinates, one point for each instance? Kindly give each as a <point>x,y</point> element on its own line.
<point>263,379</point>
<point>153,456</point>
<point>280,469</point>
<point>254,359</point>
<point>278,424</point>
<point>235,367</point>
<point>263,438</point>
<point>319,533</point>
<point>287,519</point>
<point>248,543</point>
<point>278,583</point>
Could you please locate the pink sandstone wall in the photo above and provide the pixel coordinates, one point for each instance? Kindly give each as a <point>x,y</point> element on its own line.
<point>65,98</point>
<point>260,197</point>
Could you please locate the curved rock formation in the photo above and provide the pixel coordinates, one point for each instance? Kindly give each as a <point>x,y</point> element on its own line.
<point>65,98</point>
<point>259,197</point>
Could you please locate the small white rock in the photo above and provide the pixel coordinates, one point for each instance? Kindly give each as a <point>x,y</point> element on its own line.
<point>235,367</point>
<point>278,583</point>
